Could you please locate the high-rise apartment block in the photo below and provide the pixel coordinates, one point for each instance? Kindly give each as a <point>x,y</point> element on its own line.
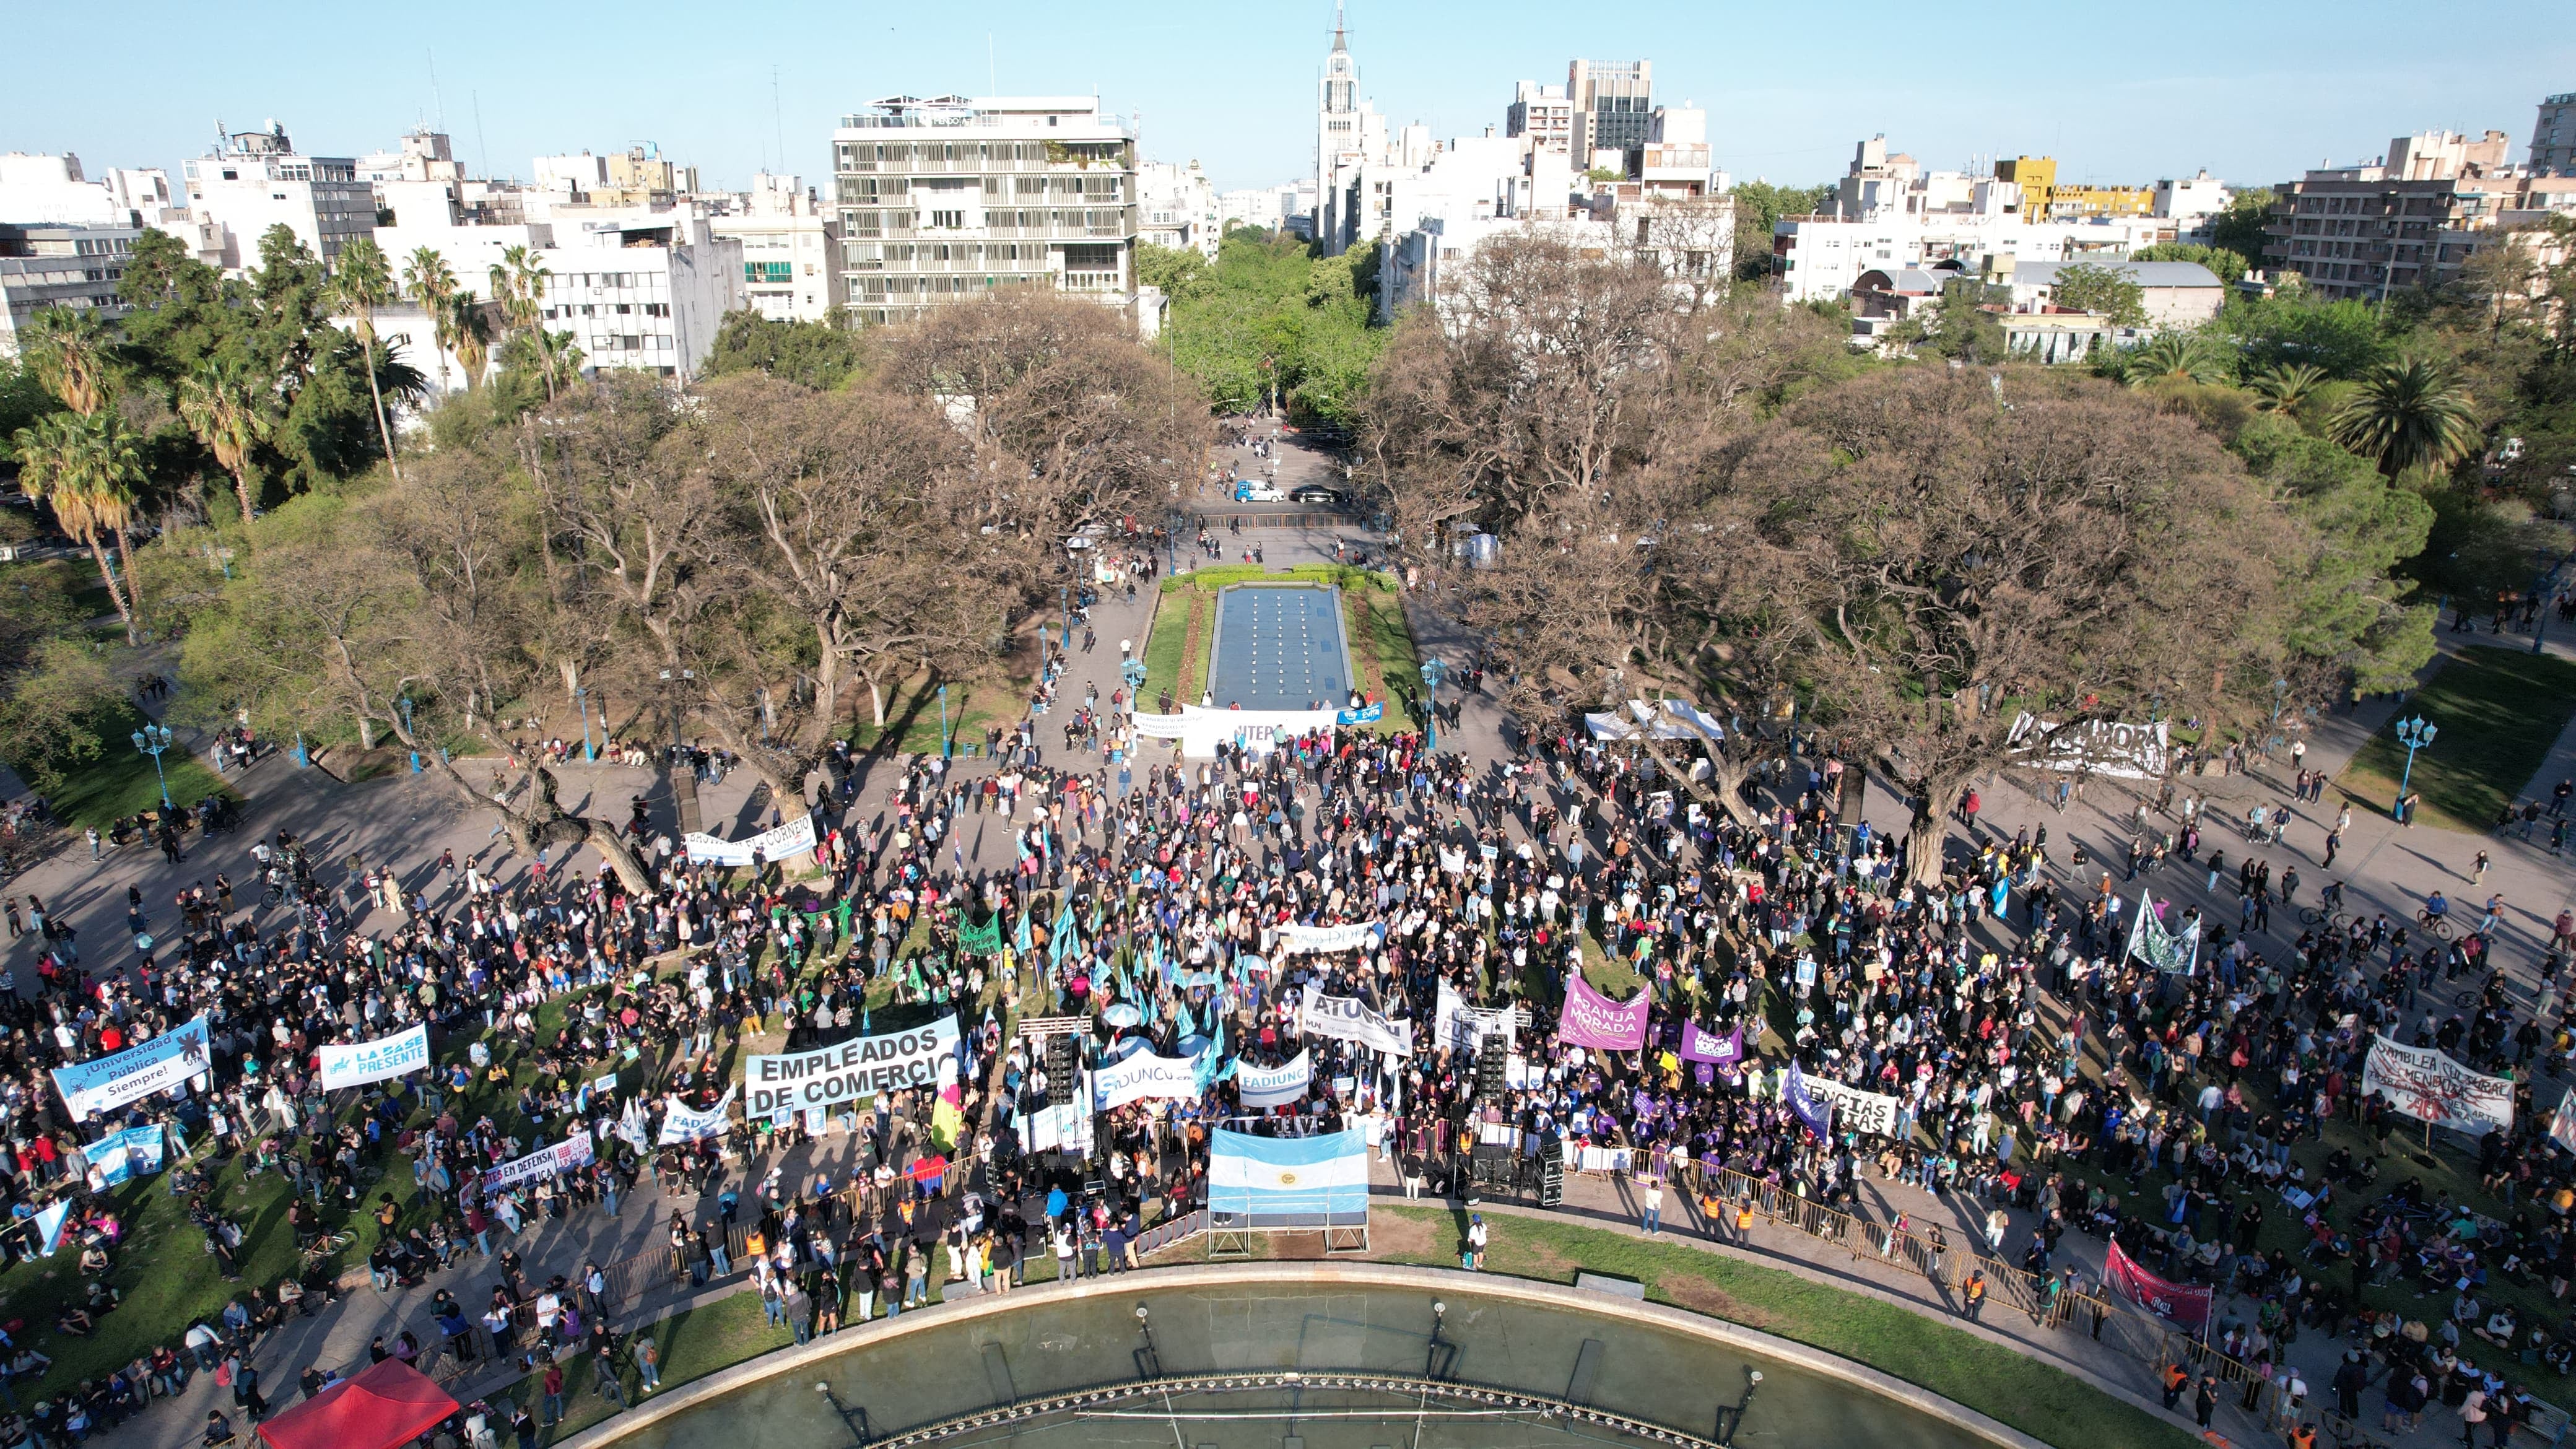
<point>1614,107</point>
<point>2553,136</point>
<point>2400,221</point>
<point>254,180</point>
<point>953,197</point>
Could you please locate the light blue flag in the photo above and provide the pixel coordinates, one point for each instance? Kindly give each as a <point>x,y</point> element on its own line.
<point>1182,1018</point>
<point>1020,941</point>
<point>1066,939</point>
<point>1213,1066</point>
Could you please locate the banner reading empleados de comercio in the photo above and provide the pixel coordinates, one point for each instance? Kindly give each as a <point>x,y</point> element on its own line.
<point>855,1069</point>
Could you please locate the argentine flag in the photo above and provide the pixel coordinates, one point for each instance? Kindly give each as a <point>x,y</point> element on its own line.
<point>1327,1173</point>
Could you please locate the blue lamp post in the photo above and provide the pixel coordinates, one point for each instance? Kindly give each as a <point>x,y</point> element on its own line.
<point>947,747</point>
<point>1433,671</point>
<point>151,740</point>
<point>415,754</point>
<point>2414,734</point>
<point>581,696</point>
<point>1133,671</point>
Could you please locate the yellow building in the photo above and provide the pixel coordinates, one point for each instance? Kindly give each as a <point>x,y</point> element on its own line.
<point>2041,196</point>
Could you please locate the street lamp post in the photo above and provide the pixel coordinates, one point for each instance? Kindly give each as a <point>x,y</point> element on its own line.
<point>2414,734</point>
<point>581,695</point>
<point>944,745</point>
<point>2272,732</point>
<point>1433,671</point>
<point>151,740</point>
<point>415,754</point>
<point>1133,671</point>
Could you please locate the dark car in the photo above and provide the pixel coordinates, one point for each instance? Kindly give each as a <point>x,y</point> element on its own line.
<point>1316,493</point>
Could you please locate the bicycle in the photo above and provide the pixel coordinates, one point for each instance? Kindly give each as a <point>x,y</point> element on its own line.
<point>2334,920</point>
<point>327,1246</point>
<point>2437,923</point>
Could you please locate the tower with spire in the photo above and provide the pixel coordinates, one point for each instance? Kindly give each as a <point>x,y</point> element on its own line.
<point>1347,130</point>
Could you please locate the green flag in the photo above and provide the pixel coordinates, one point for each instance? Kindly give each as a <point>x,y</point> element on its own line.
<point>982,938</point>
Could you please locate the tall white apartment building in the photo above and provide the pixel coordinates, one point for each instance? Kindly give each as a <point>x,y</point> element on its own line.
<point>791,267</point>
<point>955,196</point>
<point>254,180</point>
<point>1544,114</point>
<point>54,191</point>
<point>1176,206</point>
<point>52,265</point>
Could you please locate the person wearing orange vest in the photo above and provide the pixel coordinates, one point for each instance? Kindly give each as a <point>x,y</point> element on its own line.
<point>2302,1436</point>
<point>1975,1292</point>
<point>1744,1221</point>
<point>2175,1378</point>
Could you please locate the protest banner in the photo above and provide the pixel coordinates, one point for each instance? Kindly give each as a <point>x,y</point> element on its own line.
<point>981,938</point>
<point>111,1081</point>
<point>773,845</point>
<point>2174,952</point>
<point>1465,1028</point>
<point>2094,747</point>
<point>1591,1019</point>
<point>548,1161</point>
<point>851,1071</point>
<point>1702,1045</point>
<point>1813,1108</point>
<point>1141,1076</point>
<point>1260,1087</point>
<point>2562,1123</point>
<point>2177,1303</point>
<point>684,1123</point>
<point>1355,937</point>
<point>2429,1086</point>
<point>1859,1111</point>
<point>374,1061</point>
<point>1347,1018</point>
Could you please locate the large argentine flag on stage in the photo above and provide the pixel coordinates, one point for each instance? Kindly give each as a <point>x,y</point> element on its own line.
<point>1281,1176</point>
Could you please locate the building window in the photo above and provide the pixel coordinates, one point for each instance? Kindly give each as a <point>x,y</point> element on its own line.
<point>948,220</point>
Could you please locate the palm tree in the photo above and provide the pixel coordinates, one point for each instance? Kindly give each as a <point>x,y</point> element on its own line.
<point>2286,387</point>
<point>86,467</point>
<point>471,336</point>
<point>225,406</point>
<point>2409,413</point>
<point>431,285</point>
<point>519,286</point>
<point>2176,357</point>
<point>364,282</point>
<point>68,352</point>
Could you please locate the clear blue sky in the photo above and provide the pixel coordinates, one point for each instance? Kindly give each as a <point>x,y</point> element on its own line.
<point>2253,92</point>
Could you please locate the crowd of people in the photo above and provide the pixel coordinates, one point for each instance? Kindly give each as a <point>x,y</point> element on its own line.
<point>2036,1064</point>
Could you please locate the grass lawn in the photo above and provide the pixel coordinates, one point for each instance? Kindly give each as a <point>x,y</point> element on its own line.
<point>1988,1377</point>
<point>2499,711</point>
<point>914,710</point>
<point>120,780</point>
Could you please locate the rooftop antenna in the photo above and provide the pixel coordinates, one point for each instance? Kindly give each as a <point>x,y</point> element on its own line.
<point>435,103</point>
<point>482,153</point>
<point>778,117</point>
<point>992,73</point>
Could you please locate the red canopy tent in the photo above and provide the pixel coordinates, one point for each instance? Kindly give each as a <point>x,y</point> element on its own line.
<point>386,1407</point>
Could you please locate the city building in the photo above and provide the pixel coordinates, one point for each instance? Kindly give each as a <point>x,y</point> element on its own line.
<point>1177,207</point>
<point>1674,161</point>
<point>2173,294</point>
<point>1349,134</point>
<point>51,264</point>
<point>254,180</point>
<point>791,265</point>
<point>2042,194</point>
<point>1544,114</point>
<point>2189,204</point>
<point>1614,109</point>
<point>53,190</point>
<point>2553,136</point>
<point>952,197</point>
<point>2408,218</point>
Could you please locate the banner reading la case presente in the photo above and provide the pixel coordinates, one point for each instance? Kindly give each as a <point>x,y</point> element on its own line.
<point>1347,1018</point>
<point>1273,1086</point>
<point>109,1082</point>
<point>855,1069</point>
<point>1591,1019</point>
<point>374,1061</point>
<point>2429,1086</point>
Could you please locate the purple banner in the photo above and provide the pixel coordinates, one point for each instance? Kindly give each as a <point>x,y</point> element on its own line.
<point>1699,1045</point>
<point>1591,1019</point>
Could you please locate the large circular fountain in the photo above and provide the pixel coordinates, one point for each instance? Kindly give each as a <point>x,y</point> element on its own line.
<point>1300,1356</point>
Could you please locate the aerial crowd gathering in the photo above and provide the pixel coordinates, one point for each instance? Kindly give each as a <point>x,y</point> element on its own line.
<point>809,1064</point>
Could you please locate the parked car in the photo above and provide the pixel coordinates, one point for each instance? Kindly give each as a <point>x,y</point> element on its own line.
<point>1317,493</point>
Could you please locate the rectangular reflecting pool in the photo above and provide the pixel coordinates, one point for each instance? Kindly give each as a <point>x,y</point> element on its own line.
<point>1279,646</point>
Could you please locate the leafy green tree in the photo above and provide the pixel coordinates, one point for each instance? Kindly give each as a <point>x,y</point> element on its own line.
<point>1270,320</point>
<point>2225,265</point>
<point>2408,413</point>
<point>2287,387</point>
<point>819,355</point>
<point>1961,329</point>
<point>2293,326</point>
<point>1759,206</point>
<point>2175,357</point>
<point>2349,609</point>
<point>2090,287</point>
<point>180,311</point>
<point>2239,228</point>
<point>362,284</point>
<point>23,399</point>
<point>86,469</point>
<point>1181,272</point>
